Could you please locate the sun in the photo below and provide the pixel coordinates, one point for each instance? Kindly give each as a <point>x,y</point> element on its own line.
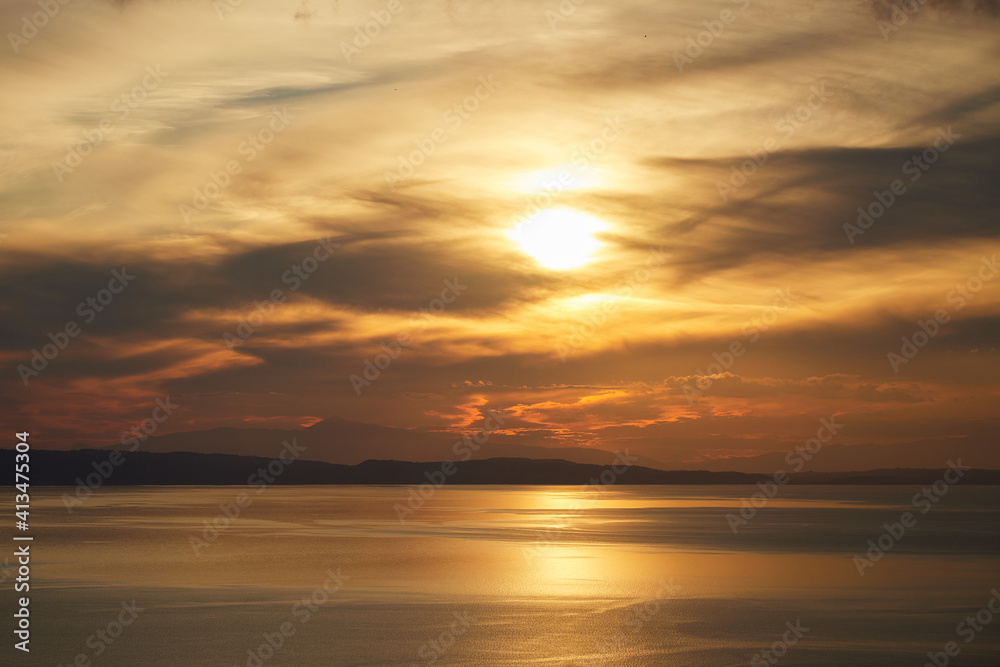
<point>558,238</point>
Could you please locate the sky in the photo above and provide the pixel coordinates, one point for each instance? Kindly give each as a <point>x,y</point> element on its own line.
<point>690,229</point>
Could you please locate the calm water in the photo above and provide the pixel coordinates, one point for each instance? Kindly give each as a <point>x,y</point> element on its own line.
<point>509,576</point>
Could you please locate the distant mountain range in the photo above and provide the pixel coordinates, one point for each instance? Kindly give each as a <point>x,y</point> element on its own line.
<point>70,468</point>
<point>341,441</point>
<point>979,453</point>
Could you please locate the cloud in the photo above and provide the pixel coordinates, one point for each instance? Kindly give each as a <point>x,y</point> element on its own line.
<point>405,99</point>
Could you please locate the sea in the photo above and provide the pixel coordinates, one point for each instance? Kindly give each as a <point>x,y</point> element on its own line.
<point>555,576</point>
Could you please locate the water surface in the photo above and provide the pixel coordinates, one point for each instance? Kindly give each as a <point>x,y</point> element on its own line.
<point>555,576</point>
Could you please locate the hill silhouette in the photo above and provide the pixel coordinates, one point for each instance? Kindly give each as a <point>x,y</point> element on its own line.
<point>69,468</point>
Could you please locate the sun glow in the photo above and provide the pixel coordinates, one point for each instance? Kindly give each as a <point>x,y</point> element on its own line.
<point>559,238</point>
<point>558,179</point>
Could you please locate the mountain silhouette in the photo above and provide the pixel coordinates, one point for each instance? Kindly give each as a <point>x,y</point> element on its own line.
<point>95,467</point>
<point>345,442</point>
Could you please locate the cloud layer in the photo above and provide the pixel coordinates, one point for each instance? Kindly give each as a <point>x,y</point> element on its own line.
<point>209,148</point>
